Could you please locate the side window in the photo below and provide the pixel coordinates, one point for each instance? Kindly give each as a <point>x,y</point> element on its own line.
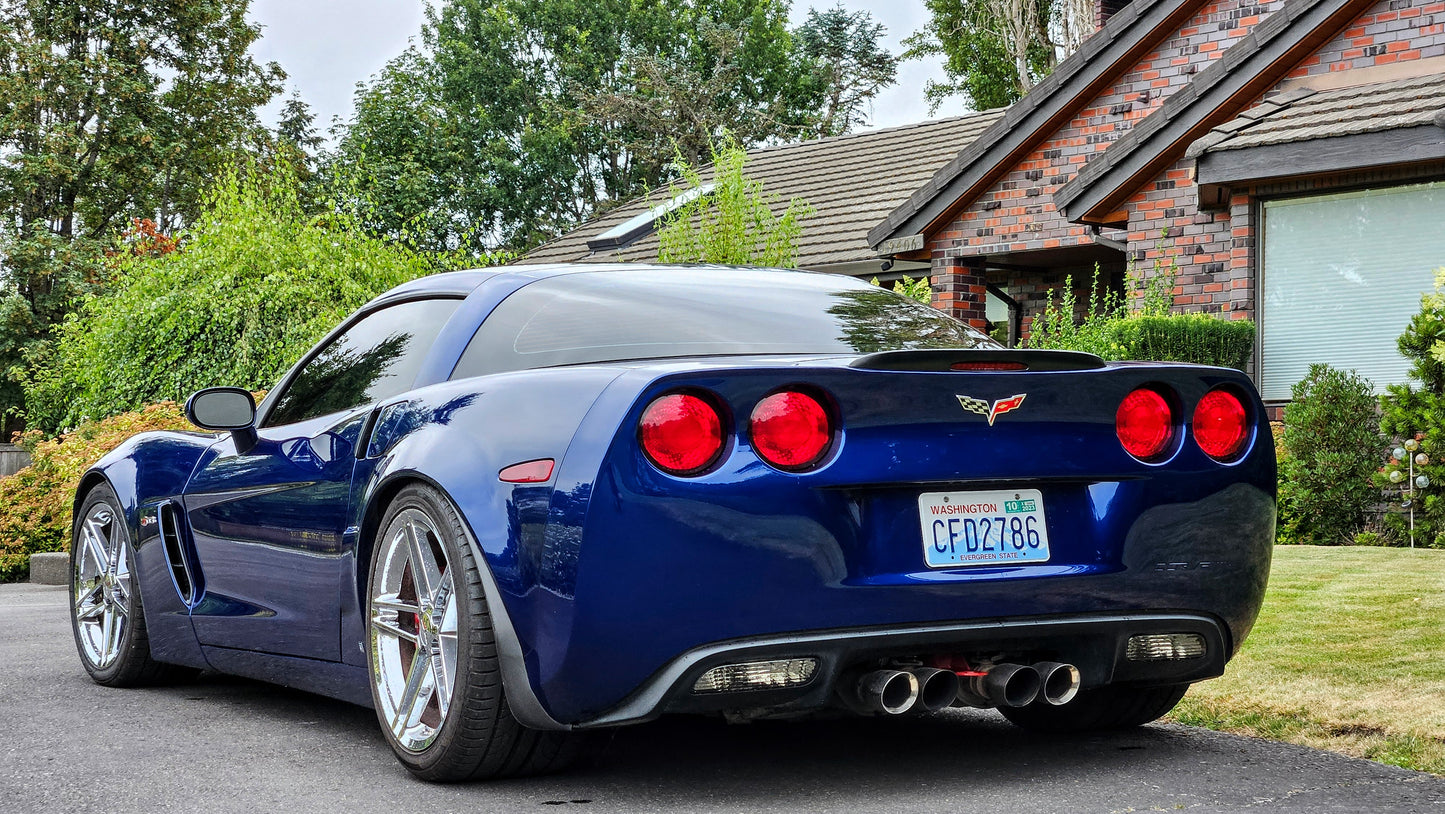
<point>374,359</point>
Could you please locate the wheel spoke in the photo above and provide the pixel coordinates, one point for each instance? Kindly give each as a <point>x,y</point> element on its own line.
<point>394,604</point>
<point>93,535</point>
<point>393,630</point>
<point>414,696</point>
<point>107,634</point>
<point>424,571</point>
<point>90,604</point>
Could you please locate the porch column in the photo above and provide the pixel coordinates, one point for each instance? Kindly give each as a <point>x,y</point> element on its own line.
<point>958,289</point>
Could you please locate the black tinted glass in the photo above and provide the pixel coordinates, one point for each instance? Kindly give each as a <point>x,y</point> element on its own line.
<point>376,358</point>
<point>660,313</point>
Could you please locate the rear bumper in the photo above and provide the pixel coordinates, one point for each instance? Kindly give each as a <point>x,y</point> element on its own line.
<point>1095,644</point>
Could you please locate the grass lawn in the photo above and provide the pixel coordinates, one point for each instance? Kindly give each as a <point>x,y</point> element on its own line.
<point>1348,655</point>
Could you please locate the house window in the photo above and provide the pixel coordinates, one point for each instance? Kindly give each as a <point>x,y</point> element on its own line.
<point>1341,277</point>
<point>627,232</point>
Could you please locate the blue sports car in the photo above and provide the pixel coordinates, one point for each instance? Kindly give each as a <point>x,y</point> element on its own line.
<point>506,507</point>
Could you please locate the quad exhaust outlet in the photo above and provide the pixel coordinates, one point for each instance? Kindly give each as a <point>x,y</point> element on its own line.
<point>1058,683</point>
<point>1018,685</point>
<point>890,691</point>
<point>930,689</point>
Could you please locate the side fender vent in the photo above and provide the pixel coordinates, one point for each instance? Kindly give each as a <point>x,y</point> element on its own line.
<point>177,552</point>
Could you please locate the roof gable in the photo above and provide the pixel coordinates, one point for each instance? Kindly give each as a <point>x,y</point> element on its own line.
<point>1124,39</point>
<point>1216,94</point>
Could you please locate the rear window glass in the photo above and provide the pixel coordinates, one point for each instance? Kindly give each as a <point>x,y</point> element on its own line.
<point>664,313</point>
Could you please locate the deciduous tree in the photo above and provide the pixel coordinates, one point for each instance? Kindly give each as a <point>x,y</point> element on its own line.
<point>108,111</point>
<point>995,51</point>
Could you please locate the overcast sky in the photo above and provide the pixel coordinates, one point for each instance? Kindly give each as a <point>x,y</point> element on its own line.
<point>327,46</point>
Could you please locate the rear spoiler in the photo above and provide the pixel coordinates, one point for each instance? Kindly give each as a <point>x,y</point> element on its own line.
<point>952,360</point>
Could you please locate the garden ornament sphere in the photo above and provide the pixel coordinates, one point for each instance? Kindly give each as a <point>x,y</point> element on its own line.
<point>1399,454</point>
<point>1412,445</point>
<point>1421,459</point>
<point>1396,476</point>
<point>1422,481</point>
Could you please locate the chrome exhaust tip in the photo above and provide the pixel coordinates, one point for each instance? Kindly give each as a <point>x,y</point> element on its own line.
<point>937,689</point>
<point>1004,685</point>
<point>891,691</point>
<point>1059,683</point>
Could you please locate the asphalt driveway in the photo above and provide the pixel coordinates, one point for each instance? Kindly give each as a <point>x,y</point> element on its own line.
<point>231,745</point>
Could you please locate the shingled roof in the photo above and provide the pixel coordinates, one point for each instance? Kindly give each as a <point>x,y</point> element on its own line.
<point>1307,132</point>
<point>852,182</point>
<point>1414,102</point>
<point>1126,37</point>
<point>1244,72</point>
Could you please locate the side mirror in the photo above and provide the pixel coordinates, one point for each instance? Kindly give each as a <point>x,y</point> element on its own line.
<point>229,409</point>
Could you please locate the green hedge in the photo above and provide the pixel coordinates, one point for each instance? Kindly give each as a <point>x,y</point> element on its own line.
<point>1196,338</point>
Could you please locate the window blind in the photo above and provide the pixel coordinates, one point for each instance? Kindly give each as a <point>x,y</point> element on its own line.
<point>1341,277</point>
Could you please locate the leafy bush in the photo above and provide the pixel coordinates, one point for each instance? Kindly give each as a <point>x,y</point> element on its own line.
<point>1196,338</point>
<point>1418,411</point>
<point>1109,330</point>
<point>1057,328</point>
<point>732,224</point>
<point>254,284</point>
<point>1332,439</point>
<point>35,503</point>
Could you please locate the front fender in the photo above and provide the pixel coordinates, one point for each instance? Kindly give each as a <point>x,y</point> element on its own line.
<point>144,471</point>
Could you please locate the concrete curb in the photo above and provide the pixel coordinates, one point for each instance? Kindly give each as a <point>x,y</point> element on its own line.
<point>52,568</point>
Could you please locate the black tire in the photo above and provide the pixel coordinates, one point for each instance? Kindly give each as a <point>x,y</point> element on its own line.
<point>131,664</point>
<point>1112,707</point>
<point>478,738</point>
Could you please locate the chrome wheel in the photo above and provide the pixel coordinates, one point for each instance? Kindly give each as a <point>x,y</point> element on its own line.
<point>101,585</point>
<point>413,630</point>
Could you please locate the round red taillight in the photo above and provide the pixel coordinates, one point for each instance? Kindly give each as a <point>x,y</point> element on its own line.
<point>1220,424</point>
<point>1145,424</point>
<point>681,434</point>
<point>791,430</point>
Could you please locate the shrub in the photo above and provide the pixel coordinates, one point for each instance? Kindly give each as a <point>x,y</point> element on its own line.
<point>1195,338</point>
<point>1418,411</point>
<point>733,224</point>
<point>1332,440</point>
<point>1109,330</point>
<point>254,284</point>
<point>35,503</point>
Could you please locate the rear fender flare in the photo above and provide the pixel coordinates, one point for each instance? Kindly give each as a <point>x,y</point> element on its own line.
<point>516,682</point>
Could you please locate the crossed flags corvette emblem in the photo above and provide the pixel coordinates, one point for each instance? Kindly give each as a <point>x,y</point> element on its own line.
<point>991,411</point>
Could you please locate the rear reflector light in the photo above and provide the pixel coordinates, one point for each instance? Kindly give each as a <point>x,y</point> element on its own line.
<point>757,675</point>
<point>539,471</point>
<point>681,434</point>
<point>988,366</point>
<point>790,430</point>
<point>1165,647</point>
<point>1144,424</point>
<point>1220,424</point>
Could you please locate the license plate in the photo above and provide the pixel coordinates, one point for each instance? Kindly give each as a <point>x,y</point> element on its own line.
<point>1004,527</point>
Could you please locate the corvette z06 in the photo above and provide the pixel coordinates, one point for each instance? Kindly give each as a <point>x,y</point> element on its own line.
<point>507,507</point>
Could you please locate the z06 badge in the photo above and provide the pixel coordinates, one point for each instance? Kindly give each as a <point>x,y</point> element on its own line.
<point>991,411</point>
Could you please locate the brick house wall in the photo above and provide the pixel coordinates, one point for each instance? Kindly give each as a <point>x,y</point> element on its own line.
<point>1017,213</point>
<point>1211,253</point>
<point>1393,31</point>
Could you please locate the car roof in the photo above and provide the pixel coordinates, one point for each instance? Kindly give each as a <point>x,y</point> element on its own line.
<point>462,283</point>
